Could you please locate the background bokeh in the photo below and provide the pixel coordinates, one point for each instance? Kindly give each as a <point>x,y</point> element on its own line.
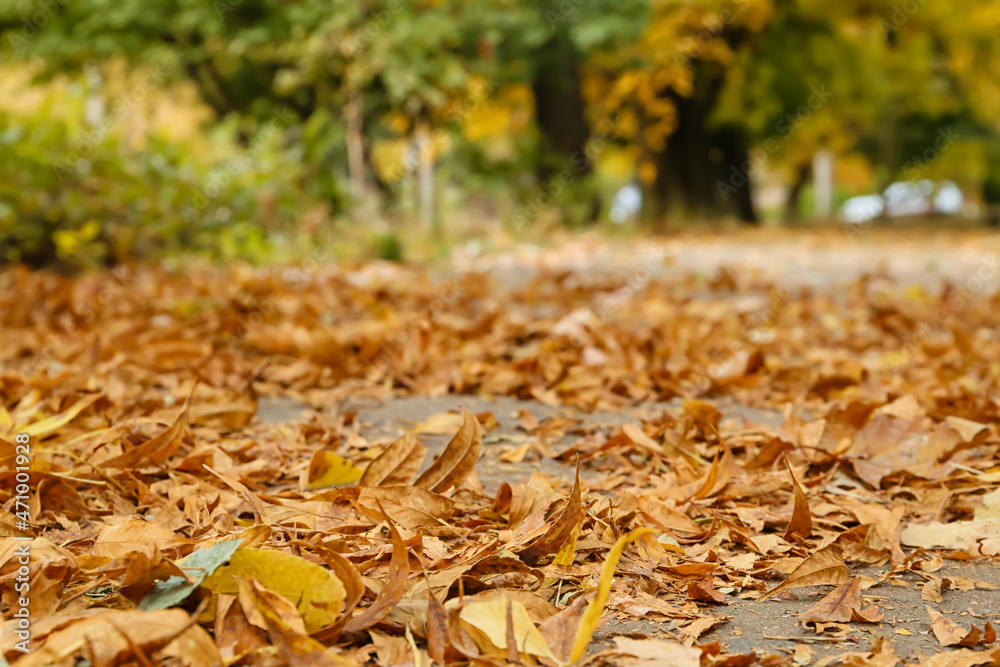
<point>255,129</point>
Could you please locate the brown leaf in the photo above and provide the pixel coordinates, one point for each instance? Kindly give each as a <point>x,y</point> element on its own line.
<point>128,536</point>
<point>155,450</point>
<point>296,647</point>
<point>560,629</point>
<point>437,629</point>
<point>392,590</point>
<point>717,477</point>
<point>396,465</point>
<point>511,637</point>
<point>826,567</point>
<point>410,506</point>
<point>458,459</point>
<point>931,590</point>
<point>703,415</point>
<point>949,633</point>
<point>354,586</point>
<point>113,636</point>
<point>705,591</point>
<point>560,529</point>
<point>841,605</point>
<point>801,523</point>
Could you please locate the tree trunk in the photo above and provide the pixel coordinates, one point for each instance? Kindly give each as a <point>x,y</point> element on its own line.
<point>559,109</point>
<point>355,149</point>
<point>791,210</point>
<point>704,173</point>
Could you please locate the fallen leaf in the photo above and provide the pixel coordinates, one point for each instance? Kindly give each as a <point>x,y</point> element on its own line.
<point>561,528</point>
<point>410,506</point>
<point>441,423</point>
<point>458,459</point>
<point>658,652</point>
<point>705,591</point>
<point>110,638</point>
<point>316,592</point>
<point>841,605</point>
<point>392,590</point>
<point>119,540</point>
<point>197,566</point>
<point>329,469</point>
<point>801,523</point>
<point>397,465</point>
<point>949,633</point>
<point>961,535</point>
<point>826,567</point>
<point>487,623</point>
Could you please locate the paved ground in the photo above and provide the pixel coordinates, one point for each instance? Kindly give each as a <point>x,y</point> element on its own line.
<point>765,627</point>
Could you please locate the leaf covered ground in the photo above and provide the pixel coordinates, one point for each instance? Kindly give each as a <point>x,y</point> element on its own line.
<point>169,524</point>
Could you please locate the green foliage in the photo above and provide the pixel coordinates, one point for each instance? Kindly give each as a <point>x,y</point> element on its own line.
<point>389,247</point>
<point>87,196</point>
<point>712,81</point>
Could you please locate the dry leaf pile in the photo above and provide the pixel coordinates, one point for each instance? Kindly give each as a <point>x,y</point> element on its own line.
<point>169,528</point>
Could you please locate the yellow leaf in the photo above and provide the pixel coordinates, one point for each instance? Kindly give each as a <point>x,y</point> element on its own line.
<point>596,607</point>
<point>316,592</point>
<point>327,469</point>
<point>487,621</point>
<point>565,556</point>
<point>568,551</point>
<point>56,422</point>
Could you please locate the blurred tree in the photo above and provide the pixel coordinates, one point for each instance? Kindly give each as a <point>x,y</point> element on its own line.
<point>709,93</point>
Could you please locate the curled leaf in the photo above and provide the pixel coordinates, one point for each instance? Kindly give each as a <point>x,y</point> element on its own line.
<point>458,459</point>
<point>826,567</point>
<point>396,465</point>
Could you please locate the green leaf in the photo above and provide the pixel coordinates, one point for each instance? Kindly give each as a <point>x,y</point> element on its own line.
<point>175,590</point>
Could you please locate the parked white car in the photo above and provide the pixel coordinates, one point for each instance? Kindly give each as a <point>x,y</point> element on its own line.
<point>905,199</point>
